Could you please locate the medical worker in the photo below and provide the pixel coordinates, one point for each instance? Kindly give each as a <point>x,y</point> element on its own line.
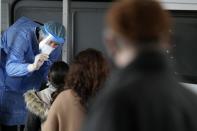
<point>27,52</point>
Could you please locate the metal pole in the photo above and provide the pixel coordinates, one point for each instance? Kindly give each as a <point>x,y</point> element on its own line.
<point>66,52</point>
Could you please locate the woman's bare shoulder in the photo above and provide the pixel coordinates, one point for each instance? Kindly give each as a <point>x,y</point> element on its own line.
<point>67,96</point>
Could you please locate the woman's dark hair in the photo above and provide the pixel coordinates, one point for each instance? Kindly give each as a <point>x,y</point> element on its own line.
<point>57,74</point>
<point>87,74</point>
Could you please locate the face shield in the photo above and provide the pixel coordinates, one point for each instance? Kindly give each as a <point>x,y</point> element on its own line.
<point>53,36</point>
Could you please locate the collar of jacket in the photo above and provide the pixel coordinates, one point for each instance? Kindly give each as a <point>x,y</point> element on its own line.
<point>147,63</point>
<point>35,105</point>
<point>150,61</point>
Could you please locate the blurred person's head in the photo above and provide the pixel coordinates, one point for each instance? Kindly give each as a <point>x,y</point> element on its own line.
<point>87,73</point>
<point>134,26</point>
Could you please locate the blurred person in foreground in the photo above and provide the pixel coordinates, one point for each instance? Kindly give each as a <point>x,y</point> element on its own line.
<point>142,94</point>
<point>85,78</point>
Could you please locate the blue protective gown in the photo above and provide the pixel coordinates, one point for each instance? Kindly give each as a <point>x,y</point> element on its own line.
<point>19,46</point>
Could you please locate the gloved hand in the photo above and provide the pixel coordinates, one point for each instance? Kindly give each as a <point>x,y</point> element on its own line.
<point>38,62</point>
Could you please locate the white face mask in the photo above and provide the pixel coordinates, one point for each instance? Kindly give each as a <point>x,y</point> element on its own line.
<point>44,46</point>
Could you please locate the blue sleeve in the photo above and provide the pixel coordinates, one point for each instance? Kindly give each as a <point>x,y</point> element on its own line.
<point>16,64</point>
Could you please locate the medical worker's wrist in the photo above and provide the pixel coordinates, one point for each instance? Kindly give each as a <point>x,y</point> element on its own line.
<point>31,67</point>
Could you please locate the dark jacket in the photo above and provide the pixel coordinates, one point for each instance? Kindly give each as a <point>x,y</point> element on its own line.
<point>144,96</point>
<point>38,105</point>
<point>33,122</point>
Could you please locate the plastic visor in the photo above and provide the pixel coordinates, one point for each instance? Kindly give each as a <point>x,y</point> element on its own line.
<point>56,39</point>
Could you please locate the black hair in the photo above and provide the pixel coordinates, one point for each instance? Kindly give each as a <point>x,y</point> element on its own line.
<point>57,74</point>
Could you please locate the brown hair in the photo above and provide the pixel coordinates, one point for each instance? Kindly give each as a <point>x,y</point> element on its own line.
<point>87,74</point>
<point>139,20</point>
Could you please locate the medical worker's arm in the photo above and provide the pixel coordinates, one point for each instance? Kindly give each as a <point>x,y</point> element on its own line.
<point>16,64</point>
<point>38,62</point>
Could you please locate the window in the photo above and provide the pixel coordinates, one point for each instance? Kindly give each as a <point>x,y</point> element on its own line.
<point>184,40</point>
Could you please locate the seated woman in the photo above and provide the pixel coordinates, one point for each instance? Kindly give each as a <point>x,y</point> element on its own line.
<point>38,103</point>
<point>86,76</point>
